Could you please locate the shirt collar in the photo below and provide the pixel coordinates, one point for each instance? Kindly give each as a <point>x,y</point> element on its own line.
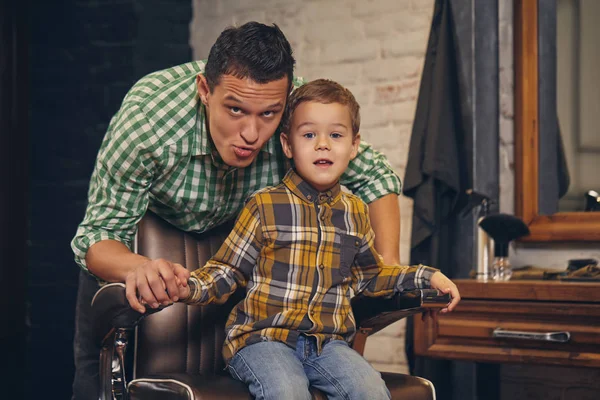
<point>305,191</point>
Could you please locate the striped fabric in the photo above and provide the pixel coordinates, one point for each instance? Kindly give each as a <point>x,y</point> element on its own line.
<point>298,253</point>
<point>157,155</point>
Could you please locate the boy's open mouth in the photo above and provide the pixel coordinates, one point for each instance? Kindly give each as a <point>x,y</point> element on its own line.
<point>323,162</point>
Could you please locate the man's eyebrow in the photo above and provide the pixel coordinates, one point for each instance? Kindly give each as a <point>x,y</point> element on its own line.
<point>231,97</point>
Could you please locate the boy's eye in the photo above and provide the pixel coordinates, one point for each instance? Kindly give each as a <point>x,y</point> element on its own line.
<point>336,135</point>
<point>309,135</point>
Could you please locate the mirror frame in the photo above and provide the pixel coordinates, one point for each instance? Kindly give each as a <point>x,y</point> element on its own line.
<point>562,226</point>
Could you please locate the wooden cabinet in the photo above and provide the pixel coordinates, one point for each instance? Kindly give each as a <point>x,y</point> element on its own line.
<point>538,322</point>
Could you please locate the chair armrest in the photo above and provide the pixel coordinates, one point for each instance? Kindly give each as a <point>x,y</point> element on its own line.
<point>375,313</point>
<point>111,309</point>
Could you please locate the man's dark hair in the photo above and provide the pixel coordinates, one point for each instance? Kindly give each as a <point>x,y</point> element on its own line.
<point>253,50</point>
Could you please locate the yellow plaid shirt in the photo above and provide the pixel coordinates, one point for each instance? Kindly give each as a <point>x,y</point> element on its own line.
<point>298,252</point>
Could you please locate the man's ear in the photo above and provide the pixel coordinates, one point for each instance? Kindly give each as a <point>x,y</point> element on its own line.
<point>203,89</point>
<point>285,144</point>
<point>355,144</point>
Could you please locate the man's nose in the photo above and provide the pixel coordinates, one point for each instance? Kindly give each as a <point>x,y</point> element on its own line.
<point>250,131</point>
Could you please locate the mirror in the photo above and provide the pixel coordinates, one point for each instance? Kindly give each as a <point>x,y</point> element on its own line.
<point>578,98</point>
<point>563,225</point>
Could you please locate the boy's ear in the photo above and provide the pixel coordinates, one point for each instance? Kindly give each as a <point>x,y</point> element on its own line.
<point>355,144</point>
<point>285,144</point>
<point>203,89</point>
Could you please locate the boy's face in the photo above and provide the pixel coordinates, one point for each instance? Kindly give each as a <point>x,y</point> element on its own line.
<point>321,143</point>
<point>242,115</point>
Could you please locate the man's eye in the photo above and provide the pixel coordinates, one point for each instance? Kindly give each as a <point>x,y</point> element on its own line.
<point>235,110</point>
<point>268,113</point>
<point>309,135</point>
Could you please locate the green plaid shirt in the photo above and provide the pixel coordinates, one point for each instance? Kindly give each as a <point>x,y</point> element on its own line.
<point>298,252</point>
<point>157,155</point>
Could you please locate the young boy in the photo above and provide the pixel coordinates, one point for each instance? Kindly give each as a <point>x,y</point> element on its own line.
<point>298,248</point>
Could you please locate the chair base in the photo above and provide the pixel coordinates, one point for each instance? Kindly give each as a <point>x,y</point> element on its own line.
<point>196,387</point>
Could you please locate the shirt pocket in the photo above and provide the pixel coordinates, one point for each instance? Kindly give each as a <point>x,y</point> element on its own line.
<point>349,246</point>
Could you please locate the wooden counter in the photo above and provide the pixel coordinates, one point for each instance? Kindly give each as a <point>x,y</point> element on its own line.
<point>525,311</point>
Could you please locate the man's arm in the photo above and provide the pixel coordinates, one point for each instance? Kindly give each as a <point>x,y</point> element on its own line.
<point>371,177</point>
<point>117,199</point>
<point>385,219</point>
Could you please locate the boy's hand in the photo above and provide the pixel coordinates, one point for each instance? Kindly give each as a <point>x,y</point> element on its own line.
<point>441,282</point>
<point>155,282</point>
<point>184,291</point>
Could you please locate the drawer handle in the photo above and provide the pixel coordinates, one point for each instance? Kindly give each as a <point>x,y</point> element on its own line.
<point>560,337</point>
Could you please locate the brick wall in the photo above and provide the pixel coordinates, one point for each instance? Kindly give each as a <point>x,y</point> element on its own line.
<point>376,49</point>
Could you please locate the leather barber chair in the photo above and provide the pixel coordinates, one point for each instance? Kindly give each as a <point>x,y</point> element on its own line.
<point>175,353</point>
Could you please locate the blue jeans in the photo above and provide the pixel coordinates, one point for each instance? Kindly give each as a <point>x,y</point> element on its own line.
<point>275,371</point>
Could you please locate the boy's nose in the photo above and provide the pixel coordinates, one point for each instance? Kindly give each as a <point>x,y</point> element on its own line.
<point>322,144</point>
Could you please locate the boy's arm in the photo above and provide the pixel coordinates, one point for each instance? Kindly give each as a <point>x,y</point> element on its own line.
<point>232,265</point>
<point>372,277</point>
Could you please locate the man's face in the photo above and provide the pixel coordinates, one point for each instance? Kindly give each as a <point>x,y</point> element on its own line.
<point>242,115</point>
<point>321,142</point>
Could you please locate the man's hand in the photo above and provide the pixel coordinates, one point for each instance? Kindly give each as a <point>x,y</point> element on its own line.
<point>156,282</point>
<point>440,282</point>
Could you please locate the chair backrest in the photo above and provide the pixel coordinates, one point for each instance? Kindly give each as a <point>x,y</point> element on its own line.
<point>181,339</point>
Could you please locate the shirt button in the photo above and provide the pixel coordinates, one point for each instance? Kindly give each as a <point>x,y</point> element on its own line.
<point>321,266</point>
<point>322,218</point>
<point>309,197</point>
<point>312,313</point>
<point>356,243</point>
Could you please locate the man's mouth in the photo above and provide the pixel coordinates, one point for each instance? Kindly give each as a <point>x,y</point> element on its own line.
<point>243,152</point>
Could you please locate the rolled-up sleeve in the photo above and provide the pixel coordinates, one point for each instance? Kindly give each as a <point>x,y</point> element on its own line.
<point>118,191</point>
<point>370,176</point>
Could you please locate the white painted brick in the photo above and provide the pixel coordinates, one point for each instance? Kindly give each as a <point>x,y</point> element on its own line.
<point>384,349</point>
<point>374,116</point>
<point>342,51</point>
<point>378,7</point>
<point>412,43</point>
<point>393,69</point>
<point>384,139</point>
<point>398,22</point>
<point>397,329</point>
<point>403,113</point>
<point>289,16</point>
<point>207,8</point>
<point>335,31</point>
<point>345,74</point>
<point>250,15</point>
<point>325,10</point>
<point>363,95</point>
<point>424,5</point>
<point>396,92</point>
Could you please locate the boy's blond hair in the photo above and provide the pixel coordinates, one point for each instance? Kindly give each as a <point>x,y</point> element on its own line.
<point>322,91</point>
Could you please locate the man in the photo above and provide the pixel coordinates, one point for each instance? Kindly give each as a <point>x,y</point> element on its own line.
<point>191,143</point>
